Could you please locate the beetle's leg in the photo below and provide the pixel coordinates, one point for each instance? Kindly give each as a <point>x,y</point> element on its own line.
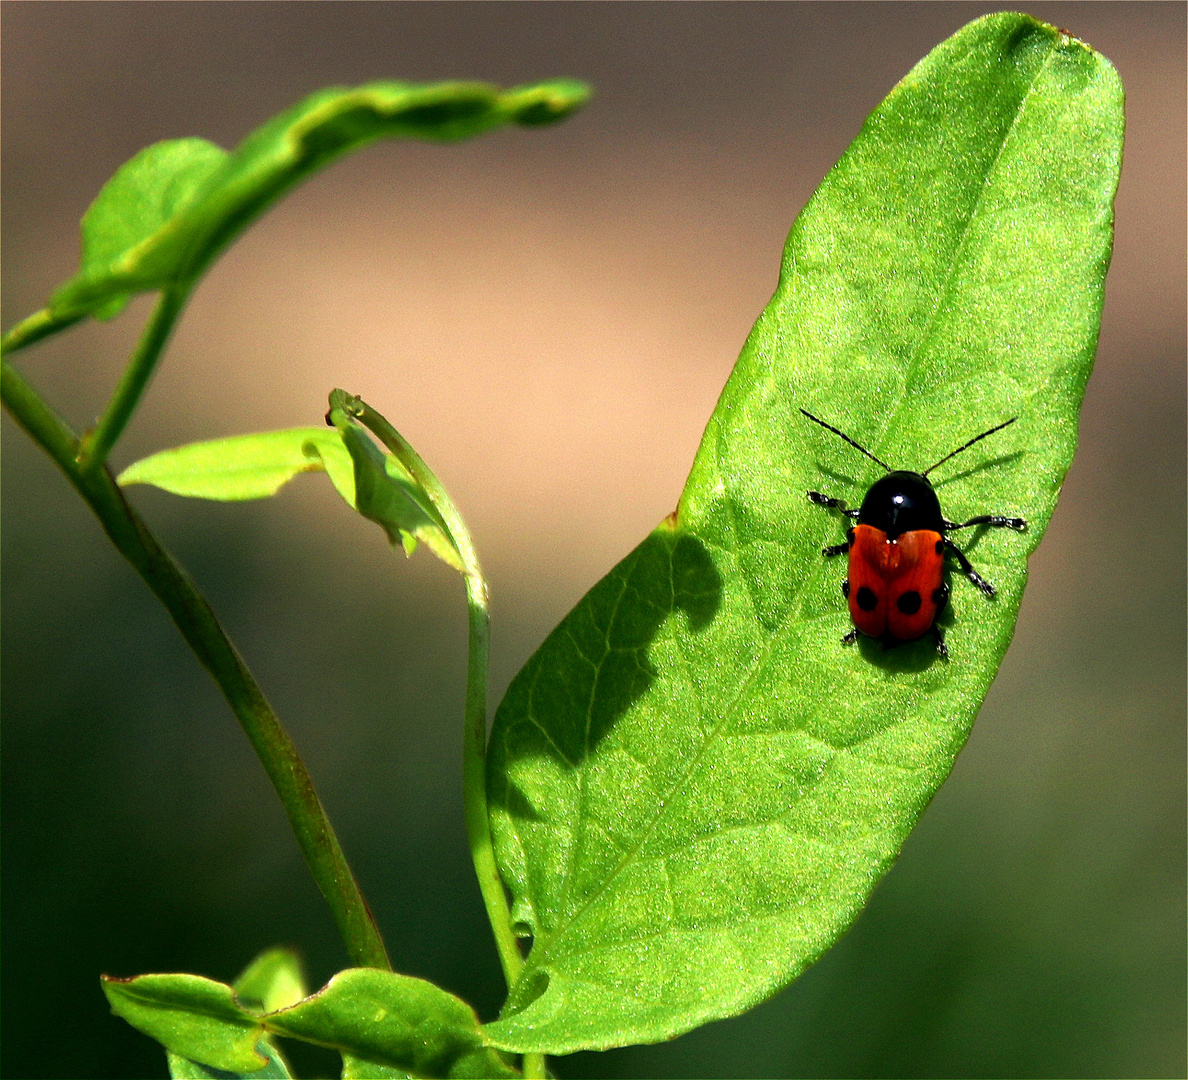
<point>940,597</point>
<point>994,520</point>
<point>851,637</point>
<point>942,650</point>
<point>834,504</point>
<point>846,588</point>
<point>839,549</point>
<point>968,570</point>
<point>831,504</point>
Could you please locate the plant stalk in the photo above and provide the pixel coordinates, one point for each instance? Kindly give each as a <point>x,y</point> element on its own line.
<point>97,444</point>
<point>474,746</point>
<point>198,625</point>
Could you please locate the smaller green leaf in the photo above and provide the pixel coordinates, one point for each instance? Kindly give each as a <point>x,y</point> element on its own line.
<point>394,1021</point>
<point>246,466</point>
<point>386,493</point>
<point>257,466</point>
<point>181,1068</point>
<point>192,1017</point>
<point>144,195</point>
<point>272,981</point>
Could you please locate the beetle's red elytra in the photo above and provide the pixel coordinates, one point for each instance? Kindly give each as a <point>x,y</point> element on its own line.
<point>896,588</point>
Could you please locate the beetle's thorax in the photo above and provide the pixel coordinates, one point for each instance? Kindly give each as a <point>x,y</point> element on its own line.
<point>901,502</point>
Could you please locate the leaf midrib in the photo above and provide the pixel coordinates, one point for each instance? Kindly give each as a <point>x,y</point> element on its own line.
<point>962,246</point>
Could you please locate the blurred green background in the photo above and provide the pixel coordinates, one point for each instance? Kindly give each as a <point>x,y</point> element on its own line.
<point>549,316</point>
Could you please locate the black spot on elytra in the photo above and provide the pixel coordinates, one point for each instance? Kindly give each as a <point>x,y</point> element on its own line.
<point>908,602</point>
<point>940,547</point>
<point>867,600</point>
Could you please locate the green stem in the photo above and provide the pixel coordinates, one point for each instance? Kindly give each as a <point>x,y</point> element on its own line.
<point>474,746</point>
<point>97,445</point>
<point>37,326</point>
<point>200,628</point>
<point>535,1067</point>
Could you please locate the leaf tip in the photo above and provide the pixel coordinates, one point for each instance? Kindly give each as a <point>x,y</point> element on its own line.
<point>547,102</point>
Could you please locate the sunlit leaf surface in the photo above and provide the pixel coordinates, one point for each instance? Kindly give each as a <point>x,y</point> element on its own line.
<point>243,467</point>
<point>143,196</point>
<point>181,1068</point>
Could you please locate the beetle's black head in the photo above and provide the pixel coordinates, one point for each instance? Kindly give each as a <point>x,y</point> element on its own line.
<point>901,502</point>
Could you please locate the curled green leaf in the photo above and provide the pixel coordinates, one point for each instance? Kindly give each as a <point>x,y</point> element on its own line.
<point>143,196</point>
<point>273,980</point>
<point>694,786</point>
<point>168,212</point>
<point>387,493</point>
<point>257,466</point>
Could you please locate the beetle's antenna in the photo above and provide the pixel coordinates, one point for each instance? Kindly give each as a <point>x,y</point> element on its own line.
<point>975,439</point>
<point>843,435</point>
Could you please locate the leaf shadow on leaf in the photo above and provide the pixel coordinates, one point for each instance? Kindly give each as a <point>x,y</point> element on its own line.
<point>530,988</point>
<point>595,666</point>
<point>691,585</point>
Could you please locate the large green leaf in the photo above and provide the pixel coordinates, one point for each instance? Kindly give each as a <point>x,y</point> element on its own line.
<point>405,1025</point>
<point>694,785</point>
<point>166,213</point>
<point>354,1068</point>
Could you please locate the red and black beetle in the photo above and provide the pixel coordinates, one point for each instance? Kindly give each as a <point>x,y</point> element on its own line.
<point>897,551</point>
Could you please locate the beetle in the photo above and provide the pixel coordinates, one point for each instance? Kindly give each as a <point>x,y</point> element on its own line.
<point>897,551</point>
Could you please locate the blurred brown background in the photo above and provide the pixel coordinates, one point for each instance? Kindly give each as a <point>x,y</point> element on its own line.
<point>549,316</point>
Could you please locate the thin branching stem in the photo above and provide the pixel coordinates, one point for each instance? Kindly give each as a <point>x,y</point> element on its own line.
<point>97,445</point>
<point>41,324</point>
<point>198,625</point>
